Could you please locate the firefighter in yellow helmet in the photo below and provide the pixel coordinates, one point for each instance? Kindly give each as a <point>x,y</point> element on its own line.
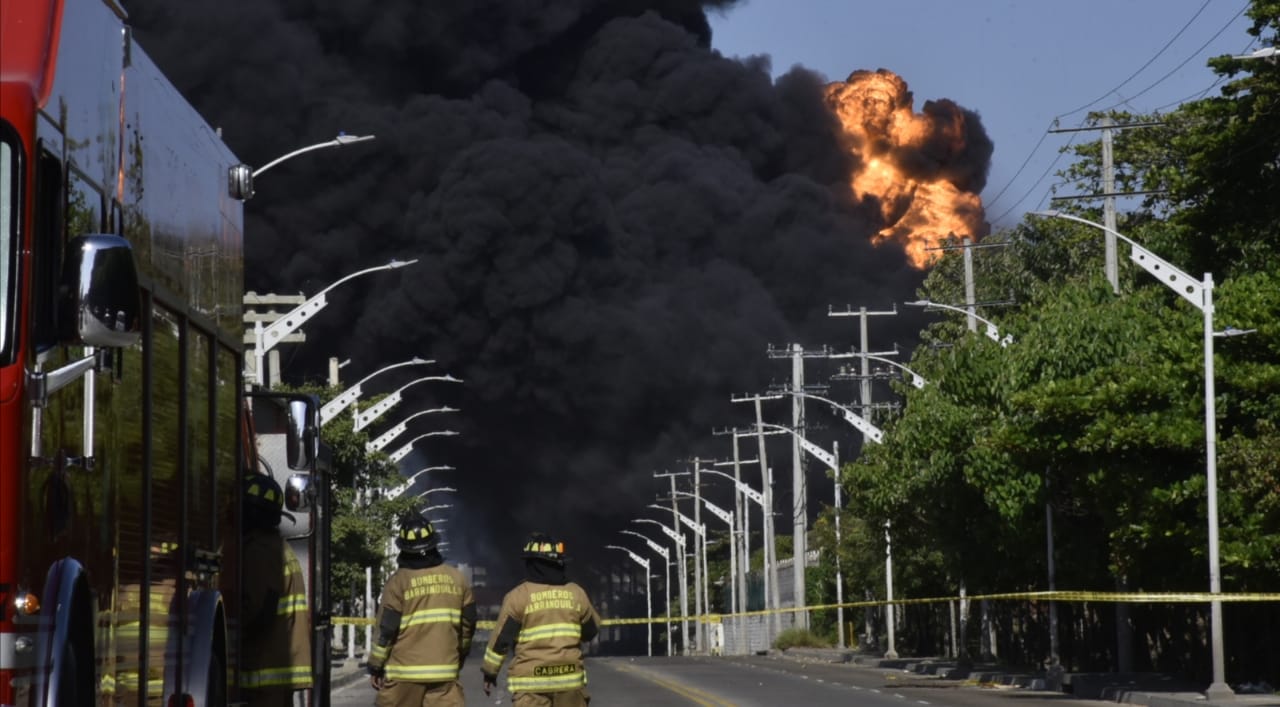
<point>277,627</point>
<point>545,619</point>
<point>426,619</point>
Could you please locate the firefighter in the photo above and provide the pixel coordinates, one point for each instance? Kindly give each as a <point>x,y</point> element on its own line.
<point>545,619</point>
<point>277,627</point>
<point>425,622</point>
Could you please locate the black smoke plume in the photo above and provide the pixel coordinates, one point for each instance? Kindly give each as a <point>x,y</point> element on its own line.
<point>612,222</point>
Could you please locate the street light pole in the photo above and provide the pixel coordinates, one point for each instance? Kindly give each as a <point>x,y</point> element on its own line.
<point>666,565</point>
<point>727,517</point>
<point>700,534</point>
<point>343,400</point>
<point>1200,295</point>
<point>265,338</point>
<point>742,520</point>
<point>648,599</point>
<point>678,538</point>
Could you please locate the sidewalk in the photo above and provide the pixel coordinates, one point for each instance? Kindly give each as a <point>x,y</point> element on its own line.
<point>1148,689</point>
<point>345,672</point>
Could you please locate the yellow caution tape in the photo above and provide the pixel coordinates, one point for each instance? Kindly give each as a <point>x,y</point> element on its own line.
<point>1069,596</point>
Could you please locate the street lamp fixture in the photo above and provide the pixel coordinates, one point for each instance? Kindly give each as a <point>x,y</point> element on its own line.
<point>1263,53</point>
<point>993,332</point>
<point>240,177</point>
<point>265,338</point>
<point>343,400</point>
<point>1200,295</point>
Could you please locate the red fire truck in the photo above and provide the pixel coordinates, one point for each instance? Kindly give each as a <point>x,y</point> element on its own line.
<point>124,422</point>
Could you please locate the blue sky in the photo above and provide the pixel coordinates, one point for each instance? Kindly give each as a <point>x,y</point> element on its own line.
<point>1018,63</point>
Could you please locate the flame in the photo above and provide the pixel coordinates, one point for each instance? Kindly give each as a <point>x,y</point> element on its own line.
<point>901,161</point>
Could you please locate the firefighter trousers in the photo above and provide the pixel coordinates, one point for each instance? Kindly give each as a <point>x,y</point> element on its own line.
<point>566,698</point>
<point>418,694</point>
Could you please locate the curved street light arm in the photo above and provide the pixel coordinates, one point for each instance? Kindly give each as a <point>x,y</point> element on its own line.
<point>916,379</point>
<point>638,559</point>
<point>1184,285</point>
<point>742,486</point>
<point>408,483</point>
<point>265,338</point>
<point>339,141</point>
<point>859,423</point>
<point>365,418</point>
<point>699,528</point>
<point>717,511</point>
<point>652,545</point>
<point>674,535</point>
<point>403,452</point>
<point>993,331</point>
<point>822,455</point>
<point>428,492</point>
<point>385,438</point>
<point>343,400</point>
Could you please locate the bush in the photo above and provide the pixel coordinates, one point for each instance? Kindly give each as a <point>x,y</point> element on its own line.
<point>799,638</point>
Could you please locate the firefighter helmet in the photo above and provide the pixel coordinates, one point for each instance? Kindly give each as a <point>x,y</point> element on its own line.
<point>263,499</point>
<point>542,547</point>
<point>417,536</point>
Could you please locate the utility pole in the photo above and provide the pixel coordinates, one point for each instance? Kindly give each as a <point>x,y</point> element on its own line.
<point>1109,193</point>
<point>799,482</point>
<point>864,388</point>
<point>697,567</point>
<point>1109,205</point>
<point>772,599</point>
<point>742,521</point>
<point>255,317</point>
<point>701,576</point>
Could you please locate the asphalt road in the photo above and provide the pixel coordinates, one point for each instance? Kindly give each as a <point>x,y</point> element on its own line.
<point>752,681</point>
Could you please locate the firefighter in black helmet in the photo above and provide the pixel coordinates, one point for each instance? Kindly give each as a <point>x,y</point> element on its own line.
<point>277,629</point>
<point>426,619</point>
<point>545,619</point>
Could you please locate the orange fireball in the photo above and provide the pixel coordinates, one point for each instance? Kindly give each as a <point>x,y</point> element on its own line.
<point>904,162</point>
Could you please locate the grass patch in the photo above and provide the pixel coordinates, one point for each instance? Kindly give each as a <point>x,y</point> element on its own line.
<point>799,638</point>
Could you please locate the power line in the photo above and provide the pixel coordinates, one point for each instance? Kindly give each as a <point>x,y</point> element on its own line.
<point>1034,150</point>
<point>1157,55</point>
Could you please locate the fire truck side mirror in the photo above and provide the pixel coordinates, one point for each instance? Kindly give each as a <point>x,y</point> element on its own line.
<point>301,442</point>
<point>100,300</point>
<point>297,493</point>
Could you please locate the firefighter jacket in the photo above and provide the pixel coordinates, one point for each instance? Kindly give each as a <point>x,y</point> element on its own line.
<point>277,627</point>
<point>425,623</point>
<point>546,625</point>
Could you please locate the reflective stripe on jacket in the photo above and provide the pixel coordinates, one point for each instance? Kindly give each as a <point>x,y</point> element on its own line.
<point>545,625</point>
<point>277,625</point>
<point>436,623</point>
